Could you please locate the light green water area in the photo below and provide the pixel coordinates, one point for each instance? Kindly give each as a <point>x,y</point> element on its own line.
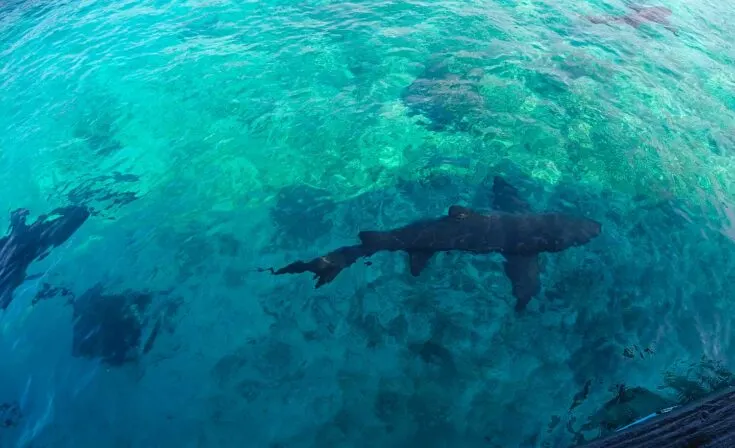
<point>215,137</point>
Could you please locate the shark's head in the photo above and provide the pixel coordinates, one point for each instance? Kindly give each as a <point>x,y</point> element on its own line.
<point>554,232</point>
<point>577,231</point>
<point>527,234</point>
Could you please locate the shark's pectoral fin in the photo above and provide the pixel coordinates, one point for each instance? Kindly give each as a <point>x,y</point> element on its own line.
<point>523,271</point>
<point>417,260</point>
<point>524,275</point>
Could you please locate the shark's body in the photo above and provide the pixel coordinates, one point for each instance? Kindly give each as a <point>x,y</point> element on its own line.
<point>513,231</point>
<point>27,243</point>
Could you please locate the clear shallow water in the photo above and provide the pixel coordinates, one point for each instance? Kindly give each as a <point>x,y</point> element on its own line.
<point>248,134</point>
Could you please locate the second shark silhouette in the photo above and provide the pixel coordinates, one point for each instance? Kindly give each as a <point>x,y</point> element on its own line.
<point>513,230</point>
<point>27,243</point>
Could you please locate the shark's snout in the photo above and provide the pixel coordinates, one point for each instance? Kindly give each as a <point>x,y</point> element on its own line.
<point>585,231</point>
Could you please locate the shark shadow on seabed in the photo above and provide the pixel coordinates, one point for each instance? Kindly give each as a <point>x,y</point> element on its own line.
<point>512,230</point>
<point>119,328</point>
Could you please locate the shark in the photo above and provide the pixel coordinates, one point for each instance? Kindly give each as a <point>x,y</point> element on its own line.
<point>512,229</point>
<point>25,243</point>
<point>640,15</point>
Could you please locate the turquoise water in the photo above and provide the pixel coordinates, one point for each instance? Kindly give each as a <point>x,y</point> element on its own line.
<point>215,137</point>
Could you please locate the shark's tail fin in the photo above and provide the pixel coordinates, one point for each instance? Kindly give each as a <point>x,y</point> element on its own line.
<point>325,268</point>
<point>324,272</point>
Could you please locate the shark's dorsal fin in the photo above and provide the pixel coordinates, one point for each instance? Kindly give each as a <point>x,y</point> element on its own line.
<point>459,212</point>
<point>417,260</point>
<point>507,199</point>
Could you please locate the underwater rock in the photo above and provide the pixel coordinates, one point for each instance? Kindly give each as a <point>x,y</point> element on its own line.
<point>581,396</point>
<point>553,423</point>
<point>389,405</point>
<point>631,351</point>
<point>698,379</point>
<point>301,214</point>
<point>229,245</point>
<point>435,353</point>
<point>430,407</point>
<point>110,327</point>
<point>25,244</point>
<point>430,193</point>
<point>227,367</point>
<point>10,414</point>
<point>102,144</point>
<point>268,359</point>
<point>447,100</point>
<point>48,291</point>
<point>372,329</point>
<point>641,15</point>
<point>398,327</point>
<point>97,117</point>
<point>326,315</point>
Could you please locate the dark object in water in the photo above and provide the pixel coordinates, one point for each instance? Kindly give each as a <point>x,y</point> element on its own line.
<point>48,291</point>
<point>628,404</point>
<point>302,213</point>
<point>433,352</point>
<point>697,380</point>
<point>103,193</point>
<point>446,99</point>
<point>523,271</point>
<point>110,326</point>
<point>26,244</point>
<point>10,414</point>
<point>641,14</point>
<point>706,423</point>
<point>153,336</point>
<point>581,396</point>
<point>514,232</point>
